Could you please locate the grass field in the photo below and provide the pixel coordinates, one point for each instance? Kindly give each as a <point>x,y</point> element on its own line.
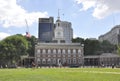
<point>60,74</point>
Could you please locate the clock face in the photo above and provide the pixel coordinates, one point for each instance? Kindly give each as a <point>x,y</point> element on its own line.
<point>58,33</point>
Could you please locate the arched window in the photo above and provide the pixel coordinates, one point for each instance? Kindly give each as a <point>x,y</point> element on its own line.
<point>63,51</point>
<point>74,60</point>
<point>43,51</point>
<point>59,51</point>
<point>69,61</point>
<point>49,51</point>
<point>79,61</point>
<point>69,51</point>
<point>38,51</point>
<point>48,61</point>
<point>74,51</point>
<point>43,61</point>
<point>54,61</point>
<point>64,60</point>
<point>38,60</point>
<point>54,51</point>
<point>58,24</point>
<point>79,51</point>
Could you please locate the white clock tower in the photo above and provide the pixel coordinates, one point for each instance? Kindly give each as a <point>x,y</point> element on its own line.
<point>58,32</point>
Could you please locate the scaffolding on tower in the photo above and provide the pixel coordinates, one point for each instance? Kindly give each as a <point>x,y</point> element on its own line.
<point>27,30</point>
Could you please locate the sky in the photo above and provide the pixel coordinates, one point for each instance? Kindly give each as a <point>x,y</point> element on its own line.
<point>89,18</point>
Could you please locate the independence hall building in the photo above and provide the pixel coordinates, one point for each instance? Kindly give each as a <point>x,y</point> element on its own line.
<point>54,47</point>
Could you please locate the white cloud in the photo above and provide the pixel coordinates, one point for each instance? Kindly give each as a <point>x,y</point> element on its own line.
<point>3,35</point>
<point>102,8</point>
<point>74,36</point>
<point>12,14</point>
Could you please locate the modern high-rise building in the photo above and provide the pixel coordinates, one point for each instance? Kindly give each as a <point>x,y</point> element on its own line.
<point>46,29</point>
<point>67,31</point>
<point>113,36</point>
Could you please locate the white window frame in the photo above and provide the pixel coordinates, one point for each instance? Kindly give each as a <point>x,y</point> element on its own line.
<point>54,61</point>
<point>63,51</point>
<point>44,51</point>
<point>74,51</point>
<point>74,61</point>
<point>48,61</point>
<point>59,51</point>
<point>43,61</point>
<point>79,51</point>
<point>54,51</point>
<point>38,51</point>
<point>69,61</point>
<point>69,51</point>
<point>49,51</point>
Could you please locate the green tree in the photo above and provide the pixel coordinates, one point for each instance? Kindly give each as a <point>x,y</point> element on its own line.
<point>78,40</point>
<point>91,47</point>
<point>118,49</point>
<point>94,47</point>
<point>107,47</point>
<point>13,47</point>
<point>31,45</point>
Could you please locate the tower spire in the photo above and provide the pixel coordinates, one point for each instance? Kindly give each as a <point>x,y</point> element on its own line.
<point>58,14</point>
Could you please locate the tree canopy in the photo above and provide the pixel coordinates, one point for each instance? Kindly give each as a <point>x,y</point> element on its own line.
<point>31,45</point>
<point>95,47</point>
<point>12,47</point>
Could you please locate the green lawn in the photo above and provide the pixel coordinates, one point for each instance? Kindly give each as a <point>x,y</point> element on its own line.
<point>60,74</point>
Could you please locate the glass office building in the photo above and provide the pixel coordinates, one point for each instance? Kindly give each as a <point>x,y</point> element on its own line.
<point>46,29</point>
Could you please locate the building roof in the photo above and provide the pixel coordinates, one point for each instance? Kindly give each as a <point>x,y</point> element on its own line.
<point>92,56</point>
<point>59,45</point>
<point>102,55</point>
<point>109,55</point>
